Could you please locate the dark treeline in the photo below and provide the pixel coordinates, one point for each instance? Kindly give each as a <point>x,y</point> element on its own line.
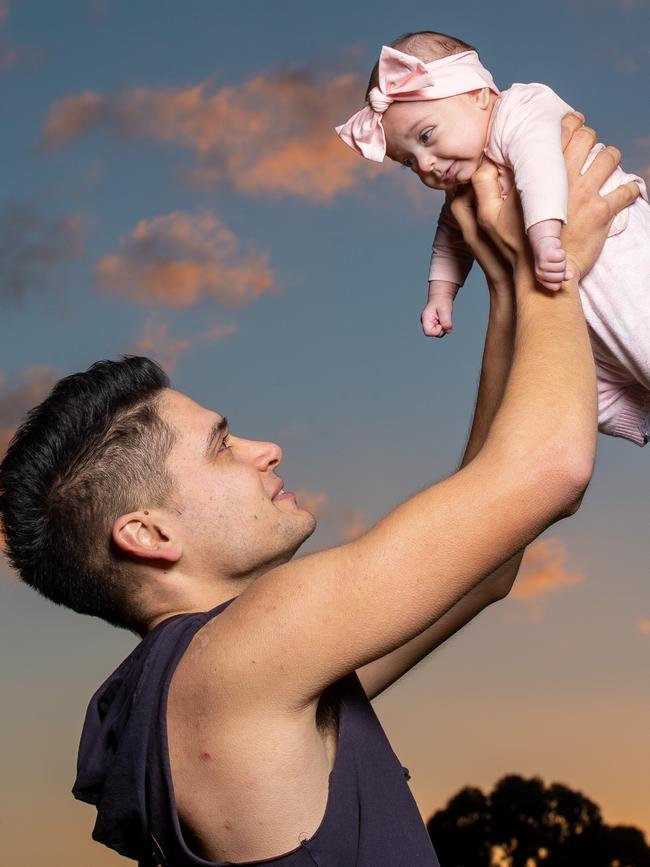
<point>528,824</point>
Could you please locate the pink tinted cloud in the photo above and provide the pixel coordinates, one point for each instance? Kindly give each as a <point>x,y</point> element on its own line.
<point>34,248</point>
<point>644,626</point>
<point>4,10</point>
<point>271,135</point>
<point>21,392</point>
<point>348,523</point>
<point>353,524</point>
<point>18,394</point>
<point>179,258</point>
<point>544,571</point>
<point>156,341</point>
<point>314,501</point>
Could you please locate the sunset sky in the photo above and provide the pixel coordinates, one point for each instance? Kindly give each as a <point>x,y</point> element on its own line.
<point>172,186</point>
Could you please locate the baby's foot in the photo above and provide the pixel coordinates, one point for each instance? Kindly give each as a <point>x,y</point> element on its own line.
<point>550,263</point>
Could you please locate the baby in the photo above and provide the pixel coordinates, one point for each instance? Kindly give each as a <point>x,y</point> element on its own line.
<point>435,109</point>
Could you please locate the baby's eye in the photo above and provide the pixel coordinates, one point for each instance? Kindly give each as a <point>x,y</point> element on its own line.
<point>426,135</point>
<point>407,164</point>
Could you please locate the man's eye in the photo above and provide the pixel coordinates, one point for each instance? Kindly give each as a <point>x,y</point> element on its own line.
<point>225,442</point>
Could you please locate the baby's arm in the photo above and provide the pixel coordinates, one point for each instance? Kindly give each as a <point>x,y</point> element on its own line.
<point>527,132</point>
<point>550,261</point>
<point>451,261</point>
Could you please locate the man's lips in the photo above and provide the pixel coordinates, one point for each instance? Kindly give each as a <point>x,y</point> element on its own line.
<point>280,492</point>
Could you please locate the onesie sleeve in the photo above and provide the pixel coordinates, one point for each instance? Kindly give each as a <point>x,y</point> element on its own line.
<point>451,258</point>
<point>527,133</point>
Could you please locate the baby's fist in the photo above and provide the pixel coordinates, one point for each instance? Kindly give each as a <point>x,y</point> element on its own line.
<point>550,262</point>
<point>436,316</point>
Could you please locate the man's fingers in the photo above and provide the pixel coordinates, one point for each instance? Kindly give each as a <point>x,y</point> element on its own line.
<point>570,123</point>
<point>622,197</point>
<point>603,165</point>
<point>577,149</point>
<point>485,182</point>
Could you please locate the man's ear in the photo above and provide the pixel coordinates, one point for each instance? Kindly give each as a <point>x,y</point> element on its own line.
<point>142,534</point>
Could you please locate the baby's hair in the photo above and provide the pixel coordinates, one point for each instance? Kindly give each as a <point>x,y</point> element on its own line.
<point>426,45</point>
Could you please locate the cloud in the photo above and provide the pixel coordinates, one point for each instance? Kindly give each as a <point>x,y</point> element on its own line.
<point>644,625</point>
<point>33,248</point>
<point>314,501</point>
<point>543,571</point>
<point>156,341</point>
<point>347,523</point>
<point>17,395</point>
<point>178,258</point>
<point>9,57</point>
<point>98,8</point>
<point>271,135</point>
<point>353,524</point>
<point>4,10</point>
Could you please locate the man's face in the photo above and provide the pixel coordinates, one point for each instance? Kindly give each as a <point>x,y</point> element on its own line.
<point>441,140</point>
<point>233,516</point>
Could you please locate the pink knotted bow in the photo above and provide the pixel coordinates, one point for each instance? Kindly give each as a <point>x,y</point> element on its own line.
<point>404,78</point>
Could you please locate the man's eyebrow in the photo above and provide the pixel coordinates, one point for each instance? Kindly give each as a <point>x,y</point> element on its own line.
<point>217,429</point>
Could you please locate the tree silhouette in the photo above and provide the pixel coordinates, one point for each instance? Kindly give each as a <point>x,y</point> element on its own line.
<point>524,823</point>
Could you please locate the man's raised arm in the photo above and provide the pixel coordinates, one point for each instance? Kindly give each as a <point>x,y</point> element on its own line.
<point>305,624</point>
<point>377,675</point>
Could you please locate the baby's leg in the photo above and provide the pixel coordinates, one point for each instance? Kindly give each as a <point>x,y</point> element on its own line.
<point>623,405</point>
<point>616,300</point>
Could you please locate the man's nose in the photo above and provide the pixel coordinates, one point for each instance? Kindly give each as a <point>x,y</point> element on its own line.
<point>264,455</point>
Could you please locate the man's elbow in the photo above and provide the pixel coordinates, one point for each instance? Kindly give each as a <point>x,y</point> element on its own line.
<point>571,471</point>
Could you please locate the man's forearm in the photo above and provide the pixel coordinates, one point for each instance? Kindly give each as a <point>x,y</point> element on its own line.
<point>550,396</point>
<point>495,367</point>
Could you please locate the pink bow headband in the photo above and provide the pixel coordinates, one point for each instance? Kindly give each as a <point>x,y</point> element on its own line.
<point>404,78</point>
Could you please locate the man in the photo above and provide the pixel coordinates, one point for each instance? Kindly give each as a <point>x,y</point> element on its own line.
<point>240,729</point>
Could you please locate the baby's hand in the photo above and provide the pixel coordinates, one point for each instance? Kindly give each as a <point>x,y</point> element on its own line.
<point>436,316</point>
<point>550,261</point>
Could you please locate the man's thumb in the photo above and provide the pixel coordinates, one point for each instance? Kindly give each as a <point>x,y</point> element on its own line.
<point>485,181</point>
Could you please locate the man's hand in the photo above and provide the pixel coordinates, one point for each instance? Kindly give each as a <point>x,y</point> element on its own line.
<point>496,267</point>
<point>590,214</point>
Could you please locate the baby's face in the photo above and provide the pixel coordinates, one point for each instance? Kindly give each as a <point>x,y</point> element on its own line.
<point>441,140</point>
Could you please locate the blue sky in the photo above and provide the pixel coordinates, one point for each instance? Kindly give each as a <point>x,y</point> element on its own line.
<point>201,131</point>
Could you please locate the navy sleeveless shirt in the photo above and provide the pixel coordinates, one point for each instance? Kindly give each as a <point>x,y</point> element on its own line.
<point>371,819</point>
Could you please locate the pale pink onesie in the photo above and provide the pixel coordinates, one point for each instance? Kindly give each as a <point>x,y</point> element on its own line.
<point>524,141</point>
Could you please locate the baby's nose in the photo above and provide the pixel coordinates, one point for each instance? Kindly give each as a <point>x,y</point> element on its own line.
<point>426,162</point>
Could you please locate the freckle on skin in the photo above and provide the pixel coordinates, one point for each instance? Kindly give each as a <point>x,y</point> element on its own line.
<point>206,756</point>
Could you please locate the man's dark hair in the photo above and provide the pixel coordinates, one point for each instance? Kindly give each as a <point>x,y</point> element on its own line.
<point>94,449</point>
<point>426,45</point>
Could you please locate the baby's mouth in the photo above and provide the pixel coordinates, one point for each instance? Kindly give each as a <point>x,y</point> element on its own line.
<point>450,173</point>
